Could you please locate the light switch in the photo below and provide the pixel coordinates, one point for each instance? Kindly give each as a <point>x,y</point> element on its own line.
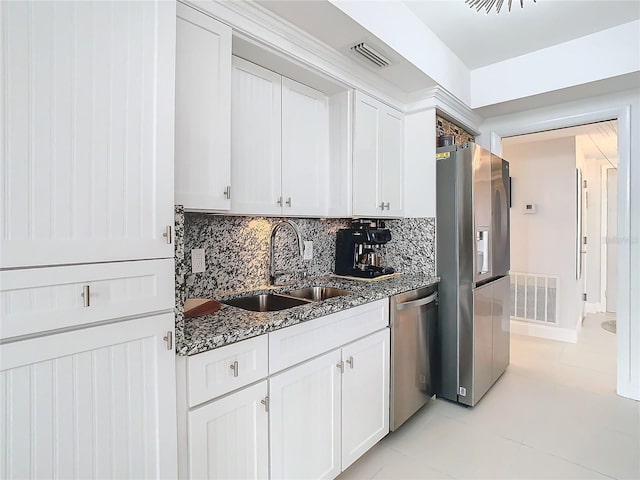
<point>197,260</point>
<point>308,250</point>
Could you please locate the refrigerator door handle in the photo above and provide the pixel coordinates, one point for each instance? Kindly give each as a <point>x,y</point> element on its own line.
<point>417,303</point>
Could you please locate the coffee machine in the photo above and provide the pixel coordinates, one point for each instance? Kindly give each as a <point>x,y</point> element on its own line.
<point>360,249</point>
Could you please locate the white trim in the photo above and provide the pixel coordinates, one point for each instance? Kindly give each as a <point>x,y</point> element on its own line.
<point>446,104</point>
<point>598,307</point>
<point>559,334</point>
<point>545,119</point>
<point>604,231</point>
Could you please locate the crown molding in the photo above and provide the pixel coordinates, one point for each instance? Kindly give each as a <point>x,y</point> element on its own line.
<point>257,24</point>
<point>448,105</point>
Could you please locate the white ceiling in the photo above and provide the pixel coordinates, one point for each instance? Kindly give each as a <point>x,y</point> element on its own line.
<point>479,39</point>
<point>328,24</point>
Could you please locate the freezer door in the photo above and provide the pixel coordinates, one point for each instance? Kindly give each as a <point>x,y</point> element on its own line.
<point>501,326</point>
<point>500,239</point>
<point>482,370</point>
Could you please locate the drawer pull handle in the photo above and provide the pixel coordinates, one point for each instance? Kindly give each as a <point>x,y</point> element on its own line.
<point>350,362</point>
<point>86,295</point>
<point>265,402</point>
<point>386,205</point>
<point>288,202</point>
<point>234,367</point>
<point>340,365</point>
<point>381,206</point>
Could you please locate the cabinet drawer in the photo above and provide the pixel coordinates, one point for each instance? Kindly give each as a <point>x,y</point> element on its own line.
<point>214,373</point>
<point>41,299</point>
<point>297,343</point>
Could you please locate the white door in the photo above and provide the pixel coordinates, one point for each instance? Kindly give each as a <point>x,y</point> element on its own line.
<point>365,395</point>
<point>87,163</point>
<point>203,111</point>
<point>392,163</point>
<point>366,156</point>
<point>228,438</point>
<point>612,232</point>
<point>304,423</point>
<point>305,150</point>
<point>256,115</point>
<point>90,403</point>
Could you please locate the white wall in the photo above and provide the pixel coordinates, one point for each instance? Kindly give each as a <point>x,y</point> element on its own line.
<point>625,106</point>
<point>543,243</point>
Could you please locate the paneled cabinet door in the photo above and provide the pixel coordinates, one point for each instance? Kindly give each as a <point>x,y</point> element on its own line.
<point>305,150</point>
<point>87,163</point>
<point>365,395</point>
<point>304,428</point>
<point>256,108</point>
<point>90,403</point>
<point>228,437</point>
<point>378,163</point>
<point>203,111</point>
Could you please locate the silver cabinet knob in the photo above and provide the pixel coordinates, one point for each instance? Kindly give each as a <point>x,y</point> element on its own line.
<point>234,367</point>
<point>288,202</point>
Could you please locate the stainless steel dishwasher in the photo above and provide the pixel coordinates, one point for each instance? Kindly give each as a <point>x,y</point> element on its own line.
<point>414,352</point>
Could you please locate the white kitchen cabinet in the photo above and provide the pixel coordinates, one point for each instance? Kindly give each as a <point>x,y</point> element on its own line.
<point>279,144</point>
<point>203,111</point>
<point>90,403</point>
<point>305,423</point>
<point>305,150</point>
<point>37,300</point>
<point>327,412</point>
<point>256,113</point>
<point>228,438</point>
<point>378,166</point>
<point>365,395</point>
<point>88,120</point>
<point>219,371</point>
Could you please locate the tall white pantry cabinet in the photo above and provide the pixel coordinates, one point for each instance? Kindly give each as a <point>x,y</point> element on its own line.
<point>87,365</point>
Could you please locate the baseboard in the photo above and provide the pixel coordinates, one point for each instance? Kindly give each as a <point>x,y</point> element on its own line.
<point>594,307</point>
<point>568,335</point>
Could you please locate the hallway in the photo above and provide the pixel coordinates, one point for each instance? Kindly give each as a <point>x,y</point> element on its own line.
<point>553,414</point>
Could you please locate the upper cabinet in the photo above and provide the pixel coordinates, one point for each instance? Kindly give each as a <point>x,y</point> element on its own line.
<point>87,142</point>
<point>279,144</point>
<point>378,166</point>
<point>203,111</point>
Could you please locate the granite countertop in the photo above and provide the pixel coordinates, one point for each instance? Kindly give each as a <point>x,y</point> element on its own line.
<point>232,324</point>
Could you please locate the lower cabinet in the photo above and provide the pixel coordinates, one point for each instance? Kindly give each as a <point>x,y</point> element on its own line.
<point>326,412</point>
<point>97,402</point>
<point>228,437</point>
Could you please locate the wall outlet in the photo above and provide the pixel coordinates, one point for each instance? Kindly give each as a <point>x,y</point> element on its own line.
<point>197,260</point>
<point>308,250</point>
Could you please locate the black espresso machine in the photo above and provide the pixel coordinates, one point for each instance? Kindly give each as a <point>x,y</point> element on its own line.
<point>360,249</point>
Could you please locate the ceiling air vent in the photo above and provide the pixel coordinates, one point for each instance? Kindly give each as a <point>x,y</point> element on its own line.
<point>370,54</point>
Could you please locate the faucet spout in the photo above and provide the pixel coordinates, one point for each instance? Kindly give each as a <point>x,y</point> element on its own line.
<point>274,230</point>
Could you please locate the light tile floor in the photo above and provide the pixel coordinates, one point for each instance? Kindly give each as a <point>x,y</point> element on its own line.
<point>554,414</point>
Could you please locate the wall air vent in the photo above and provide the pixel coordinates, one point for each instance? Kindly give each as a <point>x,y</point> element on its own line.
<point>370,54</point>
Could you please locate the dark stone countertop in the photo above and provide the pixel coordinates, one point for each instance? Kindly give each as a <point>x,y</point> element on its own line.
<point>232,324</point>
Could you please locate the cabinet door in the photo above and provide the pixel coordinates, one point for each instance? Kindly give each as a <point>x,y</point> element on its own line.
<point>304,428</point>
<point>255,139</point>
<point>366,157</point>
<point>365,395</point>
<point>87,163</point>
<point>305,150</point>
<point>203,111</point>
<point>228,438</point>
<point>91,403</point>
<point>392,162</point>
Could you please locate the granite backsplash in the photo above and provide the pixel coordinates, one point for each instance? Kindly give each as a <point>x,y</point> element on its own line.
<point>237,250</point>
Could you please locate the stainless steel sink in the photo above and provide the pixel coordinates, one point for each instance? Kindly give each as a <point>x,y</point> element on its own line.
<point>317,294</point>
<point>265,302</point>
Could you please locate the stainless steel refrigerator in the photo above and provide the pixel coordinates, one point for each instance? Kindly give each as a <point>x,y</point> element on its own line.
<point>472,244</point>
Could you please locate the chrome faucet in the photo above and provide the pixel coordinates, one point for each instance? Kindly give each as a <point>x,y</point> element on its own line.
<point>282,223</point>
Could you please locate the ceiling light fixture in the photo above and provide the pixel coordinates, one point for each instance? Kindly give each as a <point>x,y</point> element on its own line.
<point>489,4</point>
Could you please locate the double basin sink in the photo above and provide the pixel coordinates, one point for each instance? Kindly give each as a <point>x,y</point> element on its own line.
<point>272,302</point>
